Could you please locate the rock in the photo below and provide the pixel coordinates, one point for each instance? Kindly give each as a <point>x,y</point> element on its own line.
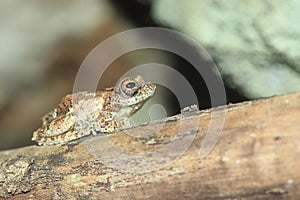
<point>254,43</point>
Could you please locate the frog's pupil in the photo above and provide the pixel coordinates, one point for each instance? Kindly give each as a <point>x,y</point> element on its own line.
<point>130,85</point>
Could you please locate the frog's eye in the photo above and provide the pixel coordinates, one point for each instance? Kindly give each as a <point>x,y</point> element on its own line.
<point>129,87</point>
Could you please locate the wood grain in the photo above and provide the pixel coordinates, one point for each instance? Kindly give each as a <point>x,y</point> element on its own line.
<point>256,157</point>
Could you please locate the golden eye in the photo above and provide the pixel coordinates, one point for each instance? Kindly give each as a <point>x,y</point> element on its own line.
<point>129,87</point>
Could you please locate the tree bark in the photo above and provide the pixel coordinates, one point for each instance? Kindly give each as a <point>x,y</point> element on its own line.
<point>257,156</point>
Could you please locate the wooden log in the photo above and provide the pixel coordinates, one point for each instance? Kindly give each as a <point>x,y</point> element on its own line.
<point>256,157</point>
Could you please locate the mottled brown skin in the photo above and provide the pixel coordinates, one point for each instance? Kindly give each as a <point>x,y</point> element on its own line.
<point>86,113</point>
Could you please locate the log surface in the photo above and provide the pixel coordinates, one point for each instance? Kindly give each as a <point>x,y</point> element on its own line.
<point>256,157</point>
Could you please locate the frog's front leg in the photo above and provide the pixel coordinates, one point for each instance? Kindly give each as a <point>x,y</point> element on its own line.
<point>125,123</point>
<point>107,122</point>
<point>107,127</point>
<point>104,122</point>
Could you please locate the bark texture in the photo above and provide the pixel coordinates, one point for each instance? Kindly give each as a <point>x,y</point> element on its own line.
<point>256,157</point>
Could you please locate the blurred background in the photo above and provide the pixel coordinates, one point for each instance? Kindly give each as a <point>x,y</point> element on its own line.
<point>255,45</point>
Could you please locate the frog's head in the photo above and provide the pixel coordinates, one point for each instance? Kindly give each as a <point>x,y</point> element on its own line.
<point>133,91</point>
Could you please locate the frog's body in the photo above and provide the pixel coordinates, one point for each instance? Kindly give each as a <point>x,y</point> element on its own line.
<point>86,113</point>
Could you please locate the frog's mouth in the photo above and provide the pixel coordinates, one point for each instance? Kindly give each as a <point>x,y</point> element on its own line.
<point>145,91</point>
